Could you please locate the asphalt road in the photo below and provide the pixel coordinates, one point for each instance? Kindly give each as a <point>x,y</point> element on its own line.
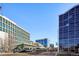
<point>47,54</point>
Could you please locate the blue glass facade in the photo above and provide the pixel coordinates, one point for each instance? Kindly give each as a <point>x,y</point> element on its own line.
<point>69,30</point>
<point>44,42</point>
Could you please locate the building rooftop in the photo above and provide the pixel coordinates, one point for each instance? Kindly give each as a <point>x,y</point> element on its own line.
<point>13,22</point>
<point>69,9</point>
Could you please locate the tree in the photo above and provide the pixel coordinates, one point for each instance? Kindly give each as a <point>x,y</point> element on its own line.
<point>21,46</point>
<point>18,48</point>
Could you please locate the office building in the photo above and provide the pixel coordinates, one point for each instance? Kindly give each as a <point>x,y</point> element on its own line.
<point>44,42</point>
<point>11,34</point>
<point>69,30</point>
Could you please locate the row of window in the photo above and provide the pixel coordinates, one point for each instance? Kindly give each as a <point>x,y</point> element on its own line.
<point>12,26</point>
<point>6,22</point>
<point>7,26</point>
<point>19,30</point>
<point>67,42</point>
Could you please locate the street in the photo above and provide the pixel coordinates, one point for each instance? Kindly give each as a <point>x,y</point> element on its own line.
<point>47,54</point>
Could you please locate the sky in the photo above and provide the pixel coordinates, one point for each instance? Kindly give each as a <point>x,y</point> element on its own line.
<point>41,20</point>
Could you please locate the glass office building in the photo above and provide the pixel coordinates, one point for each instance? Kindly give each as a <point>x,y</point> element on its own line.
<point>44,42</point>
<point>69,30</point>
<point>16,34</point>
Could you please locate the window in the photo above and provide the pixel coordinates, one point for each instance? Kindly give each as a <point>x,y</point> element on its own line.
<point>0,19</point>
<point>71,20</point>
<point>77,9</point>
<point>76,34</point>
<point>60,18</point>
<point>3,30</point>
<point>0,24</point>
<point>76,41</point>
<point>3,20</point>
<point>65,29</point>
<point>64,43</point>
<point>0,28</point>
<point>77,28</point>
<point>65,22</point>
<point>71,12</point>
<point>65,15</point>
<point>77,17</point>
<point>71,27</point>
<point>71,34</point>
<point>71,41</point>
<point>9,23</point>
<point>3,25</point>
<point>7,27</point>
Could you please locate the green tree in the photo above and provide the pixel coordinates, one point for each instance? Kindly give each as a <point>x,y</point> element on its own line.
<point>21,46</point>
